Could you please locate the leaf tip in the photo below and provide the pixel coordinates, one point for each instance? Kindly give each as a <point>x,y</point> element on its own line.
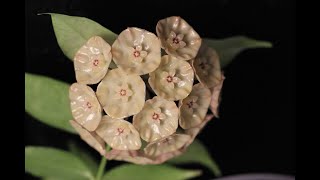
<point>194,173</point>
<point>39,14</point>
<point>265,44</point>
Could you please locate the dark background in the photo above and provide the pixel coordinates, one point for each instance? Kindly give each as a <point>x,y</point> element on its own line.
<point>256,130</point>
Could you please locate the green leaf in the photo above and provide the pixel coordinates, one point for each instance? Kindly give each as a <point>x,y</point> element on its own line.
<point>89,161</point>
<point>55,163</point>
<point>72,32</point>
<point>197,153</point>
<point>229,48</point>
<point>51,178</point>
<point>47,100</point>
<point>154,172</point>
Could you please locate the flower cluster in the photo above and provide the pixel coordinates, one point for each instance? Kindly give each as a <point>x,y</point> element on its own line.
<point>152,106</point>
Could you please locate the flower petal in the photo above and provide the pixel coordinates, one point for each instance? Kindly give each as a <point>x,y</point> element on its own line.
<point>176,80</point>
<point>117,96</point>
<point>157,110</point>
<point>124,86</point>
<point>172,72</point>
<point>129,92</point>
<point>124,99</point>
<point>172,35</point>
<point>162,116</point>
<point>143,54</point>
<point>138,48</point>
<point>182,44</point>
<point>170,85</point>
<point>195,105</point>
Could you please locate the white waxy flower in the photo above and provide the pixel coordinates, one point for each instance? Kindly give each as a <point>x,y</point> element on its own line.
<point>215,97</point>
<point>194,131</point>
<point>166,145</point>
<point>137,51</point>
<point>207,66</point>
<point>85,107</point>
<point>92,60</point>
<point>121,94</point>
<point>158,119</point>
<point>173,79</point>
<point>119,134</point>
<point>90,138</point>
<point>178,38</point>
<point>193,109</point>
<point>133,156</point>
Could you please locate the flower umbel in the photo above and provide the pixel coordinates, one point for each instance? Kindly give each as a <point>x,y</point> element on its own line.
<point>122,93</point>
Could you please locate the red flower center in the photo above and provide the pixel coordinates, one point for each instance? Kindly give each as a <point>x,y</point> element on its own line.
<point>175,40</point>
<point>96,62</point>
<point>123,92</point>
<point>155,116</point>
<point>89,105</point>
<point>169,79</point>
<point>202,65</point>
<point>120,130</point>
<point>136,53</point>
<point>190,104</point>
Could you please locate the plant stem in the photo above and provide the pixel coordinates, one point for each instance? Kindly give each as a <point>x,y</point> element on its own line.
<point>102,165</point>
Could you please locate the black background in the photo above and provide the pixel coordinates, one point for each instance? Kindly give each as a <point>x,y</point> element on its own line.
<point>256,130</point>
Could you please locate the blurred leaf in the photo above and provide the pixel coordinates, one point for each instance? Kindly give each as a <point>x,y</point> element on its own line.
<point>154,172</point>
<point>47,100</point>
<point>55,163</point>
<point>229,48</point>
<point>197,153</point>
<point>88,160</point>
<point>72,32</point>
<point>52,178</point>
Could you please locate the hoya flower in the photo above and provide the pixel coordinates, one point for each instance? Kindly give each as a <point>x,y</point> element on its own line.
<point>173,79</point>
<point>178,38</point>
<point>215,99</point>
<point>85,107</point>
<point>92,60</point>
<point>194,131</point>
<point>193,109</point>
<point>119,134</point>
<point>137,51</point>
<point>90,138</point>
<point>166,145</point>
<point>207,66</point>
<point>158,119</point>
<point>121,94</point>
